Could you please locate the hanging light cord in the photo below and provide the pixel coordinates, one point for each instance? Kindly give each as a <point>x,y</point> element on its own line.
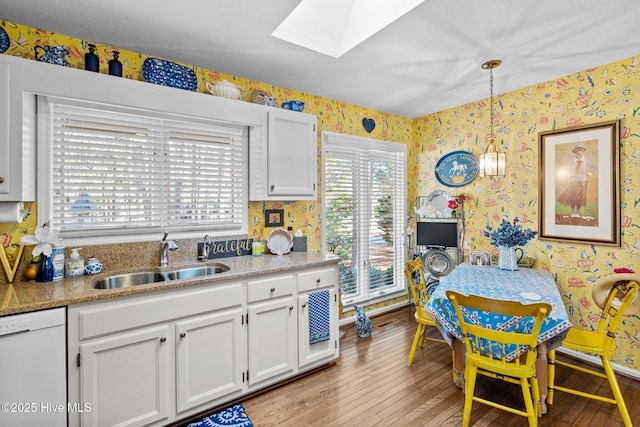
<point>491,102</point>
<point>490,65</point>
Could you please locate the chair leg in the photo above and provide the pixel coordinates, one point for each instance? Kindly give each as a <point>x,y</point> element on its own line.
<point>617,393</point>
<point>536,398</point>
<point>414,345</point>
<point>530,409</point>
<point>551,361</point>
<point>470,375</point>
<point>423,335</point>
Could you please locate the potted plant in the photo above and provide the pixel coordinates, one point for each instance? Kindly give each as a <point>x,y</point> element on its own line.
<point>507,237</point>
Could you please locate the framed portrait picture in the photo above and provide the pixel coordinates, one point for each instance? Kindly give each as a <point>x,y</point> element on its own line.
<point>481,259</point>
<point>273,217</point>
<point>579,184</point>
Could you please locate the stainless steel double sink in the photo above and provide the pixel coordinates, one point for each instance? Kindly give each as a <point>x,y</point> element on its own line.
<point>148,277</point>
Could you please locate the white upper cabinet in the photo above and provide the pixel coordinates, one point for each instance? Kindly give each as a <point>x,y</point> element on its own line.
<point>283,144</point>
<point>284,165</point>
<point>21,80</point>
<point>17,140</point>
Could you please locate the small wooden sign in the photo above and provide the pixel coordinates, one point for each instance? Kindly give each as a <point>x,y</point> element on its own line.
<point>10,270</point>
<point>228,248</point>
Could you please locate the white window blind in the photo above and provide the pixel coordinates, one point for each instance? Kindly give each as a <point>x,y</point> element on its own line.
<point>115,171</point>
<point>364,213</point>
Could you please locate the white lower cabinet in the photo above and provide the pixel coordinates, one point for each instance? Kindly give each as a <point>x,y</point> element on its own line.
<point>209,364</point>
<point>153,359</point>
<point>125,378</point>
<point>272,329</point>
<point>316,352</point>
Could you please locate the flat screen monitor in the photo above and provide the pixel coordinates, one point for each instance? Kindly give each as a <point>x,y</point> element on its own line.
<point>437,233</point>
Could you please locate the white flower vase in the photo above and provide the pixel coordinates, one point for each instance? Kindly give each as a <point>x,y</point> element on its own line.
<point>507,259</point>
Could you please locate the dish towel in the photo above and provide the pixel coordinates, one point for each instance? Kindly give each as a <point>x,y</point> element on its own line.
<point>319,318</point>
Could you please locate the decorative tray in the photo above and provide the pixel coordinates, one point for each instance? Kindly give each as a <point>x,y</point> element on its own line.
<point>257,97</point>
<point>435,205</point>
<point>525,262</point>
<point>280,241</point>
<point>166,73</point>
<point>457,169</point>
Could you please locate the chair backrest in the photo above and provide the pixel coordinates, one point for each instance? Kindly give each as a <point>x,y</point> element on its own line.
<point>414,273</point>
<point>621,296</point>
<point>504,344</point>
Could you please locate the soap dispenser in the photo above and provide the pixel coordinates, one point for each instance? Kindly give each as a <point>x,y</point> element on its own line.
<point>75,264</point>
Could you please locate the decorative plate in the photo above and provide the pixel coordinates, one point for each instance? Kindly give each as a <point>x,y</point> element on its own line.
<point>457,169</point>
<point>532,296</point>
<point>166,73</point>
<point>437,263</point>
<point>4,40</point>
<point>257,97</point>
<point>435,205</point>
<point>280,241</point>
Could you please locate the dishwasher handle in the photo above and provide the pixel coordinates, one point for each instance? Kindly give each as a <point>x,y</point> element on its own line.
<point>8,334</point>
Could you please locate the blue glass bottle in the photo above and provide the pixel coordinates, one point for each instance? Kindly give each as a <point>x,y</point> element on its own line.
<point>115,66</point>
<point>91,60</point>
<point>45,269</point>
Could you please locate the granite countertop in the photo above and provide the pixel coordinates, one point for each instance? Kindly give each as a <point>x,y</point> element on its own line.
<point>21,296</point>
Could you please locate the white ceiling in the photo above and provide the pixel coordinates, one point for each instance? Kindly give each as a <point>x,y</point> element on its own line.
<point>426,61</point>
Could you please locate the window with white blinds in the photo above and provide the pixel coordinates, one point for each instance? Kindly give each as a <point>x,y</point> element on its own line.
<point>364,213</point>
<point>116,171</point>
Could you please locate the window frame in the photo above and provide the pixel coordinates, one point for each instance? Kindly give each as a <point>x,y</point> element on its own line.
<point>354,143</point>
<point>45,175</point>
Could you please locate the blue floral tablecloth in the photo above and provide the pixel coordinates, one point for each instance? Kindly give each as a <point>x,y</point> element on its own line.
<point>524,285</point>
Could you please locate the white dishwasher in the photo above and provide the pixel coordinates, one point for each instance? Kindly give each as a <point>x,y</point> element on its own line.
<point>33,376</point>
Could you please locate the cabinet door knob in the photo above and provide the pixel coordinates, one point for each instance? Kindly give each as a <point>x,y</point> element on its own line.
<point>290,307</point>
<point>304,304</point>
<point>183,334</point>
<point>273,187</point>
<point>273,289</point>
<point>318,281</point>
<point>1,179</point>
<point>163,339</point>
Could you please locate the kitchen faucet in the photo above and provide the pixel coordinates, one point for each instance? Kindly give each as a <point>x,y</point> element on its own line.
<point>203,252</point>
<point>166,245</point>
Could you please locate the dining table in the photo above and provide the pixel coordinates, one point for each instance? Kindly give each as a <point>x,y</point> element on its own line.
<point>525,285</point>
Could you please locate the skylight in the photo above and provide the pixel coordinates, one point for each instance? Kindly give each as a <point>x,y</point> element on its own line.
<point>333,27</point>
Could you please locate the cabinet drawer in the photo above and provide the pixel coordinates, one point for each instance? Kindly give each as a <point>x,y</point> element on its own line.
<point>104,318</point>
<point>317,279</point>
<point>273,287</point>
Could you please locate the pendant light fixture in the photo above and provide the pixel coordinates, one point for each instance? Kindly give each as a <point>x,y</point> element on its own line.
<point>492,162</point>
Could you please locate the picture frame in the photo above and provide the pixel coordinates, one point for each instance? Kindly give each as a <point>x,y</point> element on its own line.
<point>579,184</point>
<point>273,217</point>
<point>480,259</point>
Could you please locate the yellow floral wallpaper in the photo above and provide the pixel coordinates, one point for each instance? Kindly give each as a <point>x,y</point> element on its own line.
<point>603,93</point>
<point>332,116</point>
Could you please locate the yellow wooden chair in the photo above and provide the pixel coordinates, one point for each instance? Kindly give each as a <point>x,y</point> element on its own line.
<point>487,351</point>
<point>418,286</point>
<point>615,294</point>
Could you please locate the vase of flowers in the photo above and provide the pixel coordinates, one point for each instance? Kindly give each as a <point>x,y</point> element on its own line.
<point>507,237</point>
<point>44,239</point>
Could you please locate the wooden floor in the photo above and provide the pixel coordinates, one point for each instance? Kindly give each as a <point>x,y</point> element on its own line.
<point>370,385</point>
